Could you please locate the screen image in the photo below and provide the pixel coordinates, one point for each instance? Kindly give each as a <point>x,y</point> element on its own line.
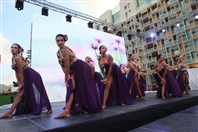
<point>83,41</point>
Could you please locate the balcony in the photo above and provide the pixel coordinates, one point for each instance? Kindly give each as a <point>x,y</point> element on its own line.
<point>155,10</point>
<point>145,16</point>
<point>193,1</point>
<point>195,35</point>
<point>159,37</point>
<point>146,24</point>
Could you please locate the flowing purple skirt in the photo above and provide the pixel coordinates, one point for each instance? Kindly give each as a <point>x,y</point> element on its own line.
<point>171,85</point>
<point>142,84</point>
<point>180,80</point>
<point>86,96</point>
<point>99,84</point>
<point>119,91</point>
<point>35,98</point>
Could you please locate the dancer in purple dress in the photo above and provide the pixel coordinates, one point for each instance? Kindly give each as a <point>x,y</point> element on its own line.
<point>182,76</point>
<point>116,88</point>
<point>82,95</point>
<point>122,68</point>
<point>132,78</point>
<point>31,96</point>
<point>165,80</point>
<point>96,75</point>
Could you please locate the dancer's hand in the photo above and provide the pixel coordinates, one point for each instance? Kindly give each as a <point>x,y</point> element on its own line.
<point>66,84</point>
<point>162,81</point>
<point>105,81</point>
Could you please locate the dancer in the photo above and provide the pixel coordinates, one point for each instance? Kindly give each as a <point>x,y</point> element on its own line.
<point>133,76</point>
<point>182,76</point>
<point>82,95</point>
<point>165,80</point>
<point>96,75</point>
<point>31,96</point>
<point>122,68</point>
<point>115,82</point>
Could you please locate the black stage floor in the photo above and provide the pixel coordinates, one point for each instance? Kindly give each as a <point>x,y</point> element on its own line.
<point>115,118</point>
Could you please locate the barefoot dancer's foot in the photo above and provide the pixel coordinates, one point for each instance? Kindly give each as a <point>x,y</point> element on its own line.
<point>49,111</point>
<point>163,97</point>
<point>188,93</point>
<point>85,112</point>
<point>142,98</point>
<point>6,115</point>
<point>65,114</point>
<point>123,104</point>
<point>104,107</point>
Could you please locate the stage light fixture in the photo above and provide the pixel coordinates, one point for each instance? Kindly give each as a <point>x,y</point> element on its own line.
<point>119,33</point>
<point>138,30</point>
<point>19,5</point>
<point>196,16</point>
<point>105,29</point>
<point>44,11</point>
<point>152,35</point>
<point>129,36</point>
<point>163,30</point>
<point>90,24</point>
<point>68,18</point>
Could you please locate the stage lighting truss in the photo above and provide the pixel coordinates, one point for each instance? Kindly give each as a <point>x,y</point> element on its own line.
<point>64,10</point>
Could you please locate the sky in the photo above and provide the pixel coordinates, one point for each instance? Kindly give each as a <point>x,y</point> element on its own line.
<point>16,25</point>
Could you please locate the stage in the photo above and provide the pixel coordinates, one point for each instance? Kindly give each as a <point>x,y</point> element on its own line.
<point>114,118</point>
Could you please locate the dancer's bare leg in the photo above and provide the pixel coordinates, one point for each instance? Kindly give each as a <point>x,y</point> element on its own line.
<point>14,105</point>
<point>163,89</point>
<point>186,81</point>
<point>106,92</point>
<point>136,82</point>
<point>66,112</point>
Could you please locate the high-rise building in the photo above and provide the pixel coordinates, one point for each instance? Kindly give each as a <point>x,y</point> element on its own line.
<point>148,15</point>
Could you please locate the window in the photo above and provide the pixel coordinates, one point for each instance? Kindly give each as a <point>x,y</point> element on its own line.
<point>129,11</point>
<point>168,29</point>
<point>98,27</point>
<point>128,5</point>
<point>193,32</point>
<point>178,39</point>
<point>191,21</point>
<point>126,15</point>
<point>186,1</point>
<point>188,34</point>
<point>180,46</point>
<point>125,7</point>
<point>185,38</point>
<point>196,42</point>
<point>193,55</point>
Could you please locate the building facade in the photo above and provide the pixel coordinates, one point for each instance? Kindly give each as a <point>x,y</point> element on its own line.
<point>172,41</point>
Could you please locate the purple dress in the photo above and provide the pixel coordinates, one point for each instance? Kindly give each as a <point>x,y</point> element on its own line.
<point>180,78</point>
<point>171,85</point>
<point>86,96</point>
<point>35,98</point>
<point>119,91</point>
<point>142,83</point>
<point>99,84</point>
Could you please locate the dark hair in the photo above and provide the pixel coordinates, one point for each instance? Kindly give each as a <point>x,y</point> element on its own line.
<point>100,48</point>
<point>166,60</point>
<point>121,65</point>
<point>158,56</point>
<point>63,36</point>
<point>19,47</point>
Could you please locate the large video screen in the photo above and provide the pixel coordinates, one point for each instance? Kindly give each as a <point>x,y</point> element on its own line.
<point>82,40</point>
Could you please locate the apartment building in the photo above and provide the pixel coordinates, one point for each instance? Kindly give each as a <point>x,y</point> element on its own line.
<point>148,15</point>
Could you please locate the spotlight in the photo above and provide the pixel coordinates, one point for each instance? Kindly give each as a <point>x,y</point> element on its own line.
<point>178,24</point>
<point>138,30</point>
<point>68,18</point>
<point>105,29</point>
<point>163,30</point>
<point>44,11</point>
<point>19,5</point>
<point>152,35</point>
<point>196,16</point>
<point>129,36</point>
<point>119,33</point>
<point>90,24</point>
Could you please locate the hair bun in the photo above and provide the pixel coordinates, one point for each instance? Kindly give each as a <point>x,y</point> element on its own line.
<point>65,37</point>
